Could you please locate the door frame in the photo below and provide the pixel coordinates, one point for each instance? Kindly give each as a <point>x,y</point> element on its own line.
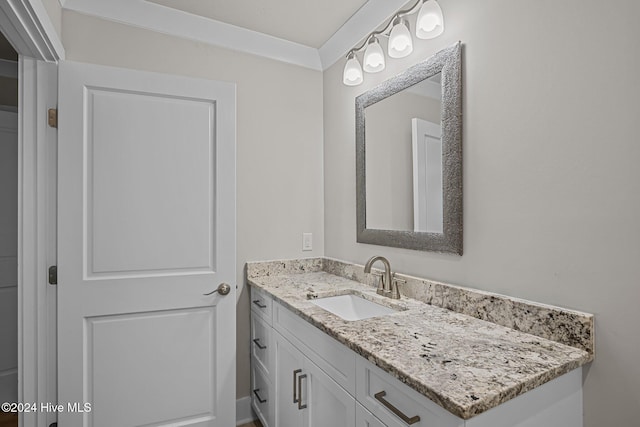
<point>27,26</point>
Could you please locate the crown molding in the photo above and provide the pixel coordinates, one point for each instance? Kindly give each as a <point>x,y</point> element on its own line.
<point>152,16</point>
<point>27,26</point>
<point>174,22</point>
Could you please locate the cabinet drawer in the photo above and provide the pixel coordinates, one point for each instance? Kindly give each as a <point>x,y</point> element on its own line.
<point>334,358</point>
<point>261,303</point>
<point>262,344</point>
<point>372,381</point>
<point>262,395</point>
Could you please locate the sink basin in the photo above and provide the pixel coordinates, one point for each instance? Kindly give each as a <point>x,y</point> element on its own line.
<point>352,307</point>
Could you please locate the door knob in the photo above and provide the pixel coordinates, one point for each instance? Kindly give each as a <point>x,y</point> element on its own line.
<point>223,289</point>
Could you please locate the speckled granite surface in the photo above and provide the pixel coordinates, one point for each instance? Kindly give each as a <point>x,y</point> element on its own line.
<point>565,326</point>
<point>464,364</point>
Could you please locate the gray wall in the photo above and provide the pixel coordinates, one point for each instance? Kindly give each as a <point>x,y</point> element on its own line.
<point>279,138</point>
<point>551,175</point>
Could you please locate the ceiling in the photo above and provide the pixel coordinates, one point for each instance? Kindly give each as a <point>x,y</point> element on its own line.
<point>308,22</point>
<point>309,33</point>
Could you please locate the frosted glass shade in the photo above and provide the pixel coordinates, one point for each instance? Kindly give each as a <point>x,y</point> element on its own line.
<point>373,57</point>
<point>400,42</point>
<point>430,22</point>
<point>352,75</point>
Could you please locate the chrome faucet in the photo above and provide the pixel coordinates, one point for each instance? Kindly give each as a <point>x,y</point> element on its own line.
<point>387,285</point>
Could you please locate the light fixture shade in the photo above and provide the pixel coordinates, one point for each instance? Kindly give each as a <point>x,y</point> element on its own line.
<point>430,22</point>
<point>373,57</point>
<point>352,75</point>
<point>400,42</point>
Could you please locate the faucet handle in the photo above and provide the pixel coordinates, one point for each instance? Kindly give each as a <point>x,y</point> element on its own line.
<point>379,280</point>
<point>395,292</point>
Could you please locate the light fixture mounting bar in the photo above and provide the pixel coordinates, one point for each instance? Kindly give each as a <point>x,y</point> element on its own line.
<point>428,25</point>
<point>384,32</point>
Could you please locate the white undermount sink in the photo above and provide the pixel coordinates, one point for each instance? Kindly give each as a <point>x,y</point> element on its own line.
<point>352,307</point>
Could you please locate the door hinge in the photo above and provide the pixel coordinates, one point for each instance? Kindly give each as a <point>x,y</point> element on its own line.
<point>53,117</point>
<point>53,275</point>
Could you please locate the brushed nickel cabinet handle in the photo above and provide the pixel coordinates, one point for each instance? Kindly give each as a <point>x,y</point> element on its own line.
<point>300,405</point>
<point>257,342</point>
<point>409,420</point>
<point>257,302</point>
<point>261,400</point>
<point>295,398</point>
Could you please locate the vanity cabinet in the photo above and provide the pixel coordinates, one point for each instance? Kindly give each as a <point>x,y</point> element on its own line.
<point>302,377</point>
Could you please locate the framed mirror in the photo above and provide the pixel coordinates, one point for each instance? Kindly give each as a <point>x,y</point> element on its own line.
<point>409,157</point>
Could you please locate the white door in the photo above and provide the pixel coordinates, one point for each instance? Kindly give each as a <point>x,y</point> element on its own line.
<point>146,227</point>
<point>427,176</point>
<point>8,256</point>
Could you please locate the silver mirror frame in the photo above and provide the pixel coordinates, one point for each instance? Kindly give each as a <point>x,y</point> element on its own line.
<point>449,62</point>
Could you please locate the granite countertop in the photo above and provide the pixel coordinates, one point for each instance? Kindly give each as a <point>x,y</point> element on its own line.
<point>462,363</point>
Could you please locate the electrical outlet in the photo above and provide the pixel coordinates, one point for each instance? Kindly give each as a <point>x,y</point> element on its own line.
<point>307,241</point>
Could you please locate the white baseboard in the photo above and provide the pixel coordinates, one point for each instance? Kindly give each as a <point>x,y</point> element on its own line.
<point>244,413</point>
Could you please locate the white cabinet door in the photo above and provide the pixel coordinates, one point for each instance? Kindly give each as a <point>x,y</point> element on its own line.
<point>365,418</point>
<point>289,367</point>
<point>305,395</point>
<point>146,226</point>
<point>328,404</point>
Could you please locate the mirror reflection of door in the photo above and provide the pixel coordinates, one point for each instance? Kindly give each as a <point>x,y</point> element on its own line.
<point>427,176</point>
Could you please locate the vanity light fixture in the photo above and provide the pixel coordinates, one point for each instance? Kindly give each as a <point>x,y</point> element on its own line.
<point>429,24</point>
<point>352,75</point>
<point>373,56</point>
<point>400,42</point>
